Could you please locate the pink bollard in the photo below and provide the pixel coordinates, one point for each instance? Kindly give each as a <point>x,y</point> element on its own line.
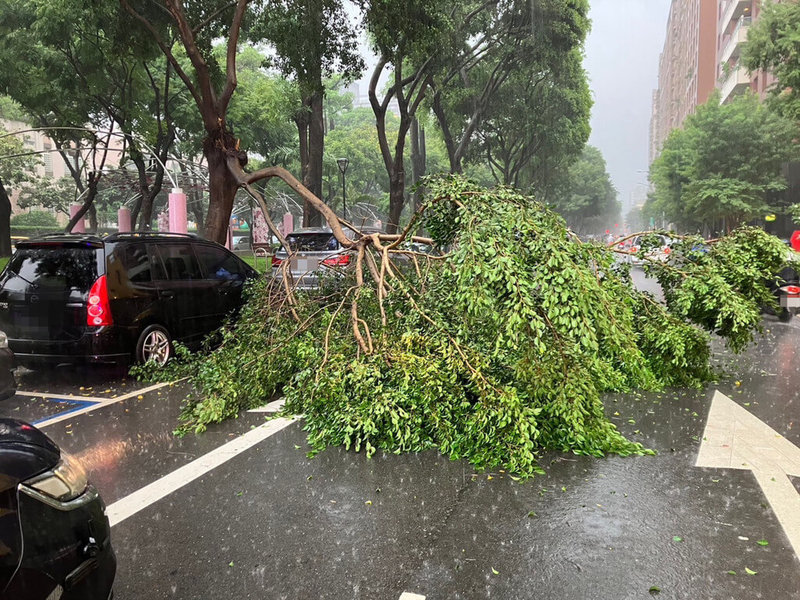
<point>123,220</point>
<point>177,211</point>
<point>229,238</point>
<point>288,223</point>
<point>80,226</point>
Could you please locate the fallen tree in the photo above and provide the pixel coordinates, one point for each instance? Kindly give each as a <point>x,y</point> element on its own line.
<point>493,349</point>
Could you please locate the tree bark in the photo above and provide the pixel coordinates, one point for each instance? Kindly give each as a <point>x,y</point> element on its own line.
<point>316,144</point>
<point>222,189</point>
<point>447,135</point>
<point>91,194</point>
<point>419,160</point>
<point>5,221</point>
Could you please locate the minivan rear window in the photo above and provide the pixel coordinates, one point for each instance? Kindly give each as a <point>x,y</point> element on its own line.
<point>61,266</point>
<point>312,242</point>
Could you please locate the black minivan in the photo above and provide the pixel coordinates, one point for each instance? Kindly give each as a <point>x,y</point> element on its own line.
<point>67,298</point>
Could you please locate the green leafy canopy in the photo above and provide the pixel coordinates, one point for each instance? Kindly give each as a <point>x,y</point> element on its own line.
<point>493,353</point>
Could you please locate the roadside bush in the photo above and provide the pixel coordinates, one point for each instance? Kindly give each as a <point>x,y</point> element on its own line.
<point>34,218</point>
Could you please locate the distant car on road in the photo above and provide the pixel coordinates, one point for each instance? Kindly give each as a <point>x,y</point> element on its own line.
<point>241,244</point>
<point>315,253</point>
<point>80,298</point>
<point>55,538</point>
<point>658,244</point>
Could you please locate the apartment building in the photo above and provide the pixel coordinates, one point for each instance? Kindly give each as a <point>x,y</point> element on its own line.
<point>687,70</point>
<point>734,20</point>
<point>702,50</point>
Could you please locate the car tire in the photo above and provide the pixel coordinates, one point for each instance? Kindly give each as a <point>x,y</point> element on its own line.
<point>154,343</point>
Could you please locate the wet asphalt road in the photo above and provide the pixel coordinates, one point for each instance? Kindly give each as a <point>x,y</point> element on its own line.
<point>272,523</point>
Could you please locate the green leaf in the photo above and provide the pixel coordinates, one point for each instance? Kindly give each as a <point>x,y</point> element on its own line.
<point>762,543</point>
<point>654,589</point>
<point>749,572</point>
<point>495,572</point>
<point>677,538</point>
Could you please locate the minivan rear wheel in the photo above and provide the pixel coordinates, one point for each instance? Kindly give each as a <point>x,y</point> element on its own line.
<point>154,344</point>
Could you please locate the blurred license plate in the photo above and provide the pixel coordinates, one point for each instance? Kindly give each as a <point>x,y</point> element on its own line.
<point>790,301</point>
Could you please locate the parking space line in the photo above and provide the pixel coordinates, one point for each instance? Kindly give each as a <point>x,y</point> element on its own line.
<point>410,596</point>
<point>77,405</point>
<point>103,403</point>
<point>49,395</point>
<point>149,494</point>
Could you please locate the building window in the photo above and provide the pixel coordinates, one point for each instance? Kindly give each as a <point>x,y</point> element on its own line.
<point>48,159</point>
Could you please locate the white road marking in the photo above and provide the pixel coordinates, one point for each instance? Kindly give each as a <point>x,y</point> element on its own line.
<point>273,406</point>
<point>144,497</point>
<point>736,439</point>
<point>101,402</point>
<point>61,396</point>
<point>410,596</point>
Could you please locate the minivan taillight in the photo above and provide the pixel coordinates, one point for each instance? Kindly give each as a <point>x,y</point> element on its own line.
<point>98,312</point>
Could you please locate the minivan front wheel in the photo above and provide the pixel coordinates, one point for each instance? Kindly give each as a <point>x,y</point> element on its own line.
<point>154,344</point>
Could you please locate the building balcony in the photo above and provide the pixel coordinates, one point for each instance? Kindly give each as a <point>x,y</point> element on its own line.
<point>733,48</point>
<point>737,81</point>
<point>732,12</point>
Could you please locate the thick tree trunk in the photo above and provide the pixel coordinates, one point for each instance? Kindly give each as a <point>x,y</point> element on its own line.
<point>397,198</point>
<point>137,208</point>
<point>222,192</point>
<point>5,221</point>
<point>92,218</point>
<point>419,159</point>
<point>146,213</point>
<point>313,175</point>
<point>447,136</point>
<point>91,194</point>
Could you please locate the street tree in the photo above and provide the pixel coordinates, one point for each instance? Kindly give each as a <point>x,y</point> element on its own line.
<point>724,167</point>
<point>506,51</point>
<point>312,43</point>
<point>263,107</point>
<point>411,40</point>
<point>584,194</point>
<point>773,44</point>
<point>17,166</point>
<point>537,126</point>
<point>210,85</point>
<point>85,68</point>
<point>49,193</point>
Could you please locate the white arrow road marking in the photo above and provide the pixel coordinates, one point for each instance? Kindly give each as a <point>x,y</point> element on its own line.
<point>736,439</point>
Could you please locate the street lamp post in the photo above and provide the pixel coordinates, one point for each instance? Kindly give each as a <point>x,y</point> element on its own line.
<point>343,162</point>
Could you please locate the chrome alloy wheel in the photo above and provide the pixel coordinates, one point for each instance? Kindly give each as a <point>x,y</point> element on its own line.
<point>156,347</point>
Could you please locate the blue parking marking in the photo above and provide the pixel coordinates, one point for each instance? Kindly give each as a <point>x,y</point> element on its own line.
<point>75,405</point>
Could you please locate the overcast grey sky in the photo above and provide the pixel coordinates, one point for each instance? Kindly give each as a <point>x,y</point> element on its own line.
<point>622,61</point>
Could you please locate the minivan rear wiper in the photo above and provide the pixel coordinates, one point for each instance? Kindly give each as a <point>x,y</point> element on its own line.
<point>33,284</point>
